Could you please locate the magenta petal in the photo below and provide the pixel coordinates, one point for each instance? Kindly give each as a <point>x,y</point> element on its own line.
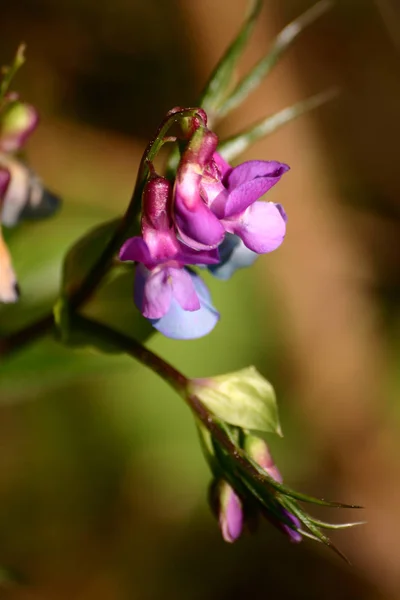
<point>261,227</point>
<point>183,289</point>
<point>136,250</point>
<point>247,182</point>
<point>157,294</point>
<point>162,245</point>
<point>198,227</point>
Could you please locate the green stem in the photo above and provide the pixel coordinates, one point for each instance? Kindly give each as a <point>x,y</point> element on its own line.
<point>23,337</point>
<point>130,346</point>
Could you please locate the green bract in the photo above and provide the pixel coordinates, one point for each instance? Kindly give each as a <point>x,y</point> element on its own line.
<point>243,398</point>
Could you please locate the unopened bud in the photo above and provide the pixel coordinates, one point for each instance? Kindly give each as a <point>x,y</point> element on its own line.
<point>17,122</point>
<point>228,508</point>
<point>259,451</point>
<point>157,202</point>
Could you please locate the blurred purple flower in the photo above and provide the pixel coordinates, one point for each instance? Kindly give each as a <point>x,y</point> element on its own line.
<point>18,121</point>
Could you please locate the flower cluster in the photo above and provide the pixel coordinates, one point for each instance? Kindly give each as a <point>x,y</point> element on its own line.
<point>210,216</point>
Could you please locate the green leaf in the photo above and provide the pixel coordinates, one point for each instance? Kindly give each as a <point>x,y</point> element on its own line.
<point>243,398</point>
<point>217,87</point>
<point>113,304</point>
<point>84,254</point>
<point>234,146</point>
<point>264,66</point>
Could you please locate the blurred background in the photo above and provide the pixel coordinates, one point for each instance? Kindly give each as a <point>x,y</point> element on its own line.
<point>103,488</point>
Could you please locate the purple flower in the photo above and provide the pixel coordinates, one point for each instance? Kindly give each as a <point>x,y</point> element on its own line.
<point>196,224</point>
<point>178,323</point>
<point>25,197</point>
<point>165,292</point>
<point>211,198</point>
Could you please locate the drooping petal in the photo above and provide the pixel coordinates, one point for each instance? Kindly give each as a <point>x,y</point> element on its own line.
<point>157,294</point>
<point>183,289</point>
<point>186,325</point>
<point>261,227</point>
<point>246,183</point>
<point>18,122</point>
<point>136,250</point>
<point>234,255</point>
<point>197,226</point>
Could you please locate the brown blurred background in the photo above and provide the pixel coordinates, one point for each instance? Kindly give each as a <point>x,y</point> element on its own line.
<point>102,483</point>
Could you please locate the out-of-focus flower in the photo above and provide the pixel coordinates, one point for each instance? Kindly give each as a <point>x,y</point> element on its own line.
<point>18,121</point>
<point>26,198</point>
<point>9,291</point>
<point>22,195</point>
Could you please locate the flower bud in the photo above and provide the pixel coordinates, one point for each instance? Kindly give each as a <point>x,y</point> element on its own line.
<point>228,507</point>
<point>157,197</point>
<point>17,122</point>
<point>259,451</point>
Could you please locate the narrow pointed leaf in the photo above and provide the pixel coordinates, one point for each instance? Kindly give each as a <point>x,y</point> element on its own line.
<point>217,87</point>
<point>264,66</point>
<point>314,530</point>
<point>324,525</point>
<point>234,146</point>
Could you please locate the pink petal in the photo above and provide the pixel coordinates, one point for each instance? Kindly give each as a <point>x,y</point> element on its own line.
<point>157,294</point>
<point>261,227</point>
<point>183,289</point>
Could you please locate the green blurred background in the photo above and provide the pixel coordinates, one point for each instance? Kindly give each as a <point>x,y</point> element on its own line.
<point>103,488</point>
